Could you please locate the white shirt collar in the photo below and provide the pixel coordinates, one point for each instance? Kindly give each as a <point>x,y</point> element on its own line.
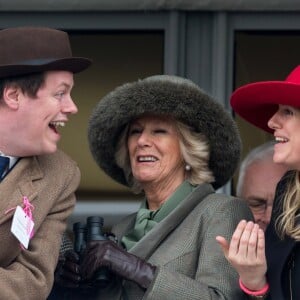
<point>12,159</point>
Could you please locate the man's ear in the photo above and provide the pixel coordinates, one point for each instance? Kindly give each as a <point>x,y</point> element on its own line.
<point>11,96</point>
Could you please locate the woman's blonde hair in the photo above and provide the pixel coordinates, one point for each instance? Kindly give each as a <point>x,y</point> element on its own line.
<point>286,223</point>
<point>195,152</point>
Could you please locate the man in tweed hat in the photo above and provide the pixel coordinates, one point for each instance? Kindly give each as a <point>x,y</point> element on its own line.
<point>37,180</point>
<point>166,138</point>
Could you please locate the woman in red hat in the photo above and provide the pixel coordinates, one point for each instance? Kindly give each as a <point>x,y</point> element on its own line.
<point>269,266</point>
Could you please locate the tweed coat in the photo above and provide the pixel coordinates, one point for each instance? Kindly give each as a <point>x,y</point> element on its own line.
<point>49,182</point>
<point>190,263</point>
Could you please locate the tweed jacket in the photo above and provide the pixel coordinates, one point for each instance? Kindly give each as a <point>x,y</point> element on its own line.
<point>49,182</point>
<point>190,263</point>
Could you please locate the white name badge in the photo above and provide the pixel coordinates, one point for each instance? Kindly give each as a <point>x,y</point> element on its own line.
<point>22,226</point>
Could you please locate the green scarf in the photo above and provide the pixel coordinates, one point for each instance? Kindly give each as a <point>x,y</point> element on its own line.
<point>147,219</point>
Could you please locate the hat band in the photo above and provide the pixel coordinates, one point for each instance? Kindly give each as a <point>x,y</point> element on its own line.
<point>37,62</point>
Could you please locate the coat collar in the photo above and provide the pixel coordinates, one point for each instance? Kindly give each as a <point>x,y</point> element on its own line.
<point>277,253</point>
<point>278,250</point>
<point>17,184</point>
<point>149,243</point>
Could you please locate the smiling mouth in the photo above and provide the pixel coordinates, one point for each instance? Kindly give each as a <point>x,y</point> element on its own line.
<point>55,124</point>
<point>146,159</point>
<point>281,140</point>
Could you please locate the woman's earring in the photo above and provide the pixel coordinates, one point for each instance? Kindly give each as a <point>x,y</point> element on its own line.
<point>187,167</point>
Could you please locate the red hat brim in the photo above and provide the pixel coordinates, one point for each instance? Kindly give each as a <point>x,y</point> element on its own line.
<point>257,102</point>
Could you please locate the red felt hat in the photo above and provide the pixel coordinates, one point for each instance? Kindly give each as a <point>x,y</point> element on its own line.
<point>257,102</point>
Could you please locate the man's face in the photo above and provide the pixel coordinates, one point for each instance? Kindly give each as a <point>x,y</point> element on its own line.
<point>36,120</point>
<point>259,187</point>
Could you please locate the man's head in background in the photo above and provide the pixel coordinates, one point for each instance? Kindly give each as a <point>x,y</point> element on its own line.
<point>258,177</point>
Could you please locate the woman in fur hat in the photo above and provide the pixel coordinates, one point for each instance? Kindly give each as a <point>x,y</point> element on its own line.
<point>166,138</point>
<point>269,267</point>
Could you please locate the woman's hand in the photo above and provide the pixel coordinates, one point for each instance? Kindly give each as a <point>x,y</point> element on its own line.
<point>108,254</point>
<point>246,253</point>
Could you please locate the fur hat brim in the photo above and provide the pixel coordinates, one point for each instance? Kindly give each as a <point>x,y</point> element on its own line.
<point>171,95</point>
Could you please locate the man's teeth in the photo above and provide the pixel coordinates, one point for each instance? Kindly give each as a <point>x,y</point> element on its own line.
<point>146,158</point>
<point>57,124</point>
<point>281,140</point>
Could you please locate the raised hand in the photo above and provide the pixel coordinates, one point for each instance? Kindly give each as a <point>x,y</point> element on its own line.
<point>246,253</point>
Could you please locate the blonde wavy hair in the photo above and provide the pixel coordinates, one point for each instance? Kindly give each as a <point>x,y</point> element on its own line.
<point>195,152</point>
<point>286,223</point>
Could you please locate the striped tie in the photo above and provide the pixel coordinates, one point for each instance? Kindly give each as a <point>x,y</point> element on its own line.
<point>4,163</point>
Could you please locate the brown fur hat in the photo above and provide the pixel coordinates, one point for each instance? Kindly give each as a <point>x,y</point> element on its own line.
<point>164,94</point>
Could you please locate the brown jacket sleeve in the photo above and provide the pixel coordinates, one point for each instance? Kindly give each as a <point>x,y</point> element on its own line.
<point>49,182</point>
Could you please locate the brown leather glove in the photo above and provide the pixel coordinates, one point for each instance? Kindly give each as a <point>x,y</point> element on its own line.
<point>67,273</point>
<point>108,254</point>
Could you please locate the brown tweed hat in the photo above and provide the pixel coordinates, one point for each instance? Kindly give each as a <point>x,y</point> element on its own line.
<point>26,50</point>
<point>171,95</point>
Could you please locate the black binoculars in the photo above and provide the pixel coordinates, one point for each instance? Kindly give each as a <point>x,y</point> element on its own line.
<point>83,234</point>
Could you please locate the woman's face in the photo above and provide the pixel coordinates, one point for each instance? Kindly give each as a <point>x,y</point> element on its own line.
<point>286,125</point>
<point>154,151</point>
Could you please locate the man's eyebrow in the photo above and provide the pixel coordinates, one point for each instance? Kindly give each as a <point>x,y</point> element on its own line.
<point>65,84</point>
<point>257,199</point>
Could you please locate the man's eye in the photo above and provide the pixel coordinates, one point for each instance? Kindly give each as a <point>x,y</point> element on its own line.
<point>257,207</point>
<point>59,95</point>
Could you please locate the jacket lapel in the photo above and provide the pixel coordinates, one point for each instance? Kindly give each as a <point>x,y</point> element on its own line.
<point>276,248</point>
<point>147,245</point>
<point>17,184</point>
